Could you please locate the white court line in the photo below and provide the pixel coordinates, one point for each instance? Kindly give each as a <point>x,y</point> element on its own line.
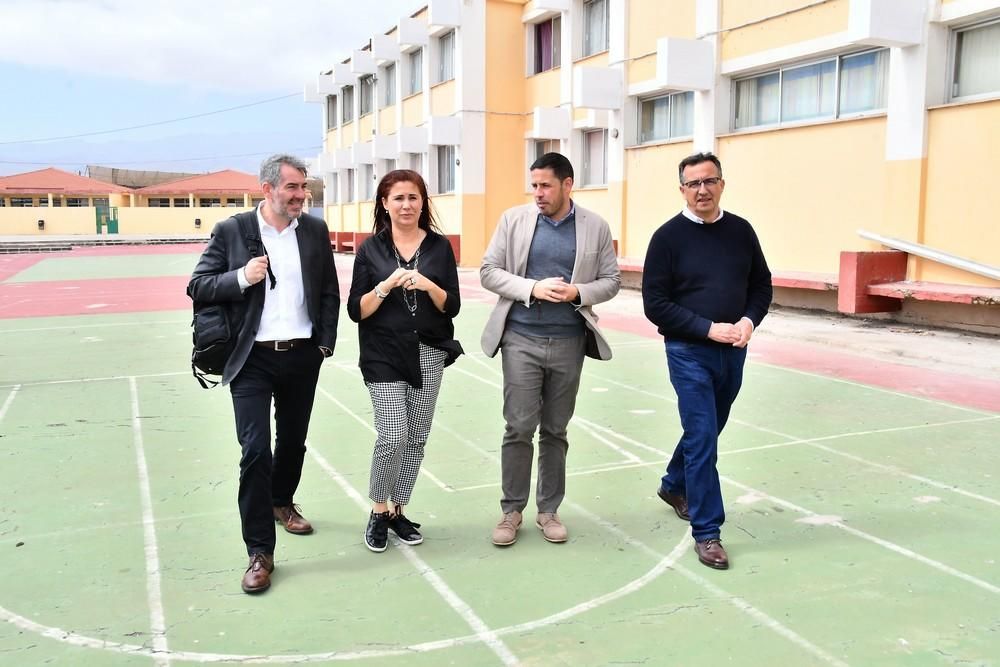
<point>423,469</point>
<point>584,425</point>
<point>108,378</point>
<point>891,546</point>
<point>154,594</point>
<point>480,378</point>
<point>10,399</point>
<point>73,327</point>
<point>741,604</point>
<point>466,612</point>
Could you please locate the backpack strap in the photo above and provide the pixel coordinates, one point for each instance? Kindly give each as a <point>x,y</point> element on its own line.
<point>251,236</point>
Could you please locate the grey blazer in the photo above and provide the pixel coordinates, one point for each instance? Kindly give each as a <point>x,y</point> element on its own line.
<point>595,272</point>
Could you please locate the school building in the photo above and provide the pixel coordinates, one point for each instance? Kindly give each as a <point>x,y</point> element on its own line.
<point>844,127</point>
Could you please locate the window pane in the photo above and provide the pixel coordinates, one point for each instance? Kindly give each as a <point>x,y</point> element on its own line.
<point>367,93</point>
<point>864,81</point>
<point>416,63</point>
<point>347,105</point>
<point>977,61</point>
<point>595,148</point>
<point>350,186</point>
<point>389,85</point>
<point>808,92</point>
<point>543,47</point>
<point>653,119</point>
<point>446,54</point>
<point>682,114</point>
<point>331,112</point>
<point>446,168</point>
<point>180,202</point>
<point>757,101</point>
<point>557,41</point>
<point>595,26</point>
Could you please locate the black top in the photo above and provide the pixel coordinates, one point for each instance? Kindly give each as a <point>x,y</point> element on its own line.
<point>389,337</point>
<point>697,274</point>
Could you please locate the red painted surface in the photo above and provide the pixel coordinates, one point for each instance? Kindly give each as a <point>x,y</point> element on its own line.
<point>11,265</point>
<point>924,291</point>
<point>860,269</point>
<point>87,297</point>
<point>805,280</point>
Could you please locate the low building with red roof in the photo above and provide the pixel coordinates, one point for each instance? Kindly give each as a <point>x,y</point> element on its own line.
<point>226,188</point>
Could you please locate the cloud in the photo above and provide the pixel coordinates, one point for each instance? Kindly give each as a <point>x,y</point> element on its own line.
<point>234,45</point>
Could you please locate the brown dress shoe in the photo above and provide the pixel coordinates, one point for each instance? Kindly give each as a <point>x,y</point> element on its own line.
<point>679,503</point>
<point>711,553</point>
<point>257,578</point>
<point>292,520</point>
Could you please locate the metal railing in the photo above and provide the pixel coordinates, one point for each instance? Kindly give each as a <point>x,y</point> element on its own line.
<point>927,252</point>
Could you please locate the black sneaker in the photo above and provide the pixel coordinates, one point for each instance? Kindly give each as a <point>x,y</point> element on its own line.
<point>377,532</point>
<point>405,529</point>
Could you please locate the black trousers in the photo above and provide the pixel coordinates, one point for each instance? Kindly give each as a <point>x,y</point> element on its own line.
<point>268,480</point>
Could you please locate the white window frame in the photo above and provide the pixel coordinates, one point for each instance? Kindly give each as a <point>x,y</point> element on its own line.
<point>414,72</point>
<point>534,64</point>
<point>585,151</point>
<point>445,70</point>
<point>349,191</point>
<point>954,65</point>
<point>388,83</point>
<point>445,181</point>
<point>589,49</point>
<point>331,112</point>
<point>347,105</point>
<point>640,140</point>
<point>366,101</point>
<point>838,60</point>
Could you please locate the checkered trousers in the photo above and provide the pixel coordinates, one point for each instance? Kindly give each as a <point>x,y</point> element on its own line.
<point>403,417</point>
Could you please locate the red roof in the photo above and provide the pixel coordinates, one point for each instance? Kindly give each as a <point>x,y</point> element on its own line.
<point>223,181</point>
<point>56,181</point>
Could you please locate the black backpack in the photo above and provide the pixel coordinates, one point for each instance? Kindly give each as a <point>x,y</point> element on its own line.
<point>211,331</point>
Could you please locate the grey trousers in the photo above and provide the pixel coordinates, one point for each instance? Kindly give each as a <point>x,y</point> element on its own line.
<point>541,377</point>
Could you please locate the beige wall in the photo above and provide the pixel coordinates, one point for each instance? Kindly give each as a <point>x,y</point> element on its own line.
<point>346,135</point>
<point>413,110</point>
<point>803,192</point>
<point>443,99</point>
<point>642,69</point>
<point>797,26</point>
<point>651,196</point>
<point>449,212</point>
<point>387,120</point>
<point>131,220</point>
<point>365,125</point>
<point>649,20</point>
<point>542,90</point>
<point>23,221</point>
<point>963,160</point>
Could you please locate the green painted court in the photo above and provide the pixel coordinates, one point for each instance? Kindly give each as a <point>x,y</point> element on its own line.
<point>863,516</point>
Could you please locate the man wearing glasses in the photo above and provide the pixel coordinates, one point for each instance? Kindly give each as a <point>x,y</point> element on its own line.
<point>706,287</point>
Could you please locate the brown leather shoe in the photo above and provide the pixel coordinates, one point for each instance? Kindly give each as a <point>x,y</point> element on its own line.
<point>711,553</point>
<point>257,578</point>
<point>292,520</point>
<point>679,503</point>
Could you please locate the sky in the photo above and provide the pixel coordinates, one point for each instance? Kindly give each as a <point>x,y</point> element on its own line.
<point>83,67</point>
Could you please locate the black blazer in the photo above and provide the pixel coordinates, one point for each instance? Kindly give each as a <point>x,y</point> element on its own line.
<point>214,281</point>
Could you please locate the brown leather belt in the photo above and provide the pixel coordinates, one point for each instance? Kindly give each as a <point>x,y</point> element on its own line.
<point>282,345</point>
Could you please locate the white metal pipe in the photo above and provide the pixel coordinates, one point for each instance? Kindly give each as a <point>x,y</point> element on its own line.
<point>936,255</point>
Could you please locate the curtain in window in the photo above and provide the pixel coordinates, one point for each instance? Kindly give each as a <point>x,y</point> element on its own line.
<point>808,92</point>
<point>595,26</point>
<point>654,119</point>
<point>864,81</point>
<point>543,47</point>
<point>977,68</point>
<point>757,101</point>
<point>681,114</point>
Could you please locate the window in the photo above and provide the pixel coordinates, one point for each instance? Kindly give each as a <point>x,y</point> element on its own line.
<point>367,94</point>
<point>389,85</point>
<point>350,185</point>
<point>367,182</point>
<point>446,168</point>
<point>333,188</point>
<point>977,60</point>
<point>331,112</point>
<point>22,202</point>
<point>209,201</point>
<point>414,65</point>
<point>347,105</point>
<point>159,202</point>
<point>43,202</point>
<point>828,89</point>
<point>181,202</point>
<point>100,201</point>
<point>544,146</point>
<point>548,40</point>
<point>413,161</point>
<point>446,57</point>
<point>3,202</point>
<point>72,202</point>
<point>595,26</point>
<point>256,201</point>
<point>595,157</point>
<point>666,117</point>
<point>236,202</point>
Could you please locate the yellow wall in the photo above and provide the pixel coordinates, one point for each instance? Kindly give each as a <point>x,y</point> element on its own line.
<point>505,64</point>
<point>799,26</point>
<point>365,125</point>
<point>413,110</point>
<point>963,160</point>
<point>542,90</point>
<point>642,69</point>
<point>443,99</point>
<point>603,202</point>
<point>131,220</point>
<point>596,60</point>
<point>804,194</point>
<point>23,221</point>
<point>346,135</point>
<point>449,212</point>
<point>387,120</point>
<point>651,196</point>
<point>649,20</point>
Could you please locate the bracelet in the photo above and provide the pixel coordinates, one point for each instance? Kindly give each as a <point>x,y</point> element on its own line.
<point>379,293</point>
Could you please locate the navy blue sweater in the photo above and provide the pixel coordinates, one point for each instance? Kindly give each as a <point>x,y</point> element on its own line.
<point>695,275</point>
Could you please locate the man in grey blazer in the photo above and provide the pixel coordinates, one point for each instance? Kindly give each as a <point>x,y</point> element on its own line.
<point>283,305</point>
<point>548,262</point>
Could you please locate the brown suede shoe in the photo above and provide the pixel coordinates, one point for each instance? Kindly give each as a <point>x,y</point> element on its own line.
<point>552,528</point>
<point>505,533</point>
<point>711,553</point>
<point>257,578</point>
<point>293,522</point>
<point>679,503</point>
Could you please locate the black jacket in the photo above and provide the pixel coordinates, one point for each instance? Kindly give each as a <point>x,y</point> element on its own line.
<point>214,281</point>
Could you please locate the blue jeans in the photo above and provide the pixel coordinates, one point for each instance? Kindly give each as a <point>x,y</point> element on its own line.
<point>707,378</point>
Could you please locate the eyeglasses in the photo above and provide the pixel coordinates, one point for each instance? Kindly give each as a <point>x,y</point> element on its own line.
<point>707,182</point>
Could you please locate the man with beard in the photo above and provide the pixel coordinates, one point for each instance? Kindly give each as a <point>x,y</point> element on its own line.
<point>284,327</point>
